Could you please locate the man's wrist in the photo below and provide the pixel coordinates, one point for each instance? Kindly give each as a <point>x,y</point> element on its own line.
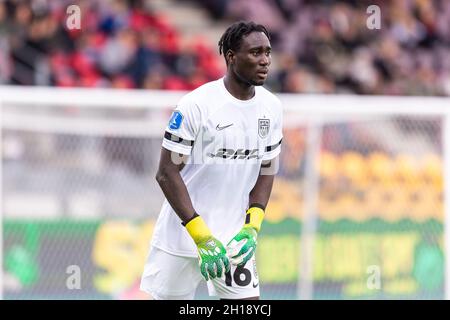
<point>255,216</point>
<point>184,223</point>
<point>197,229</point>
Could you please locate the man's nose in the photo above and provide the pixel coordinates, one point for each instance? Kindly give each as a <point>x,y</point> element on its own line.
<point>265,61</point>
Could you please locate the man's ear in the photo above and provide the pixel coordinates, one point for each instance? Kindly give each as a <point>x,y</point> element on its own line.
<point>230,56</point>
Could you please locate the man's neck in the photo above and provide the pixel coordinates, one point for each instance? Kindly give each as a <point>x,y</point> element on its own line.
<point>238,89</point>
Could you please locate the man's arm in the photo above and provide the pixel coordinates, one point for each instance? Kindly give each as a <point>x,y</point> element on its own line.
<point>212,254</point>
<point>243,245</point>
<point>173,186</point>
<point>260,193</point>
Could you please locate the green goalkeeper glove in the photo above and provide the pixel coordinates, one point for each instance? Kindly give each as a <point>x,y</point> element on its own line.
<point>211,252</point>
<point>243,246</point>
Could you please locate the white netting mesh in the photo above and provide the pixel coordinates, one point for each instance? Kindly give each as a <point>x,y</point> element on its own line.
<point>79,190</point>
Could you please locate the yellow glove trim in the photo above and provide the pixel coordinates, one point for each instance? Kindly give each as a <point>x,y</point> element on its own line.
<point>198,229</point>
<point>256,218</point>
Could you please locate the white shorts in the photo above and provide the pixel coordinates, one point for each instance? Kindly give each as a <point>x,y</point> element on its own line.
<point>171,277</point>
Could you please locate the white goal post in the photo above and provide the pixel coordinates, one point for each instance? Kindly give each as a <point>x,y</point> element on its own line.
<point>27,109</point>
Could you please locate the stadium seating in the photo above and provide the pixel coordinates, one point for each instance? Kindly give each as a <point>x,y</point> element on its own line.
<point>359,188</point>
<point>319,46</point>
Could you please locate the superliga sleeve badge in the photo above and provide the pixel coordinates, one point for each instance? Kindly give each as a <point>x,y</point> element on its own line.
<point>176,120</point>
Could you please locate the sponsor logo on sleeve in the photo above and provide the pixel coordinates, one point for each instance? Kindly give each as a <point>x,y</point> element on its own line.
<point>176,120</point>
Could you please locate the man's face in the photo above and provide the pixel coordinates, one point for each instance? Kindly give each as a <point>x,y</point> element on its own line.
<point>251,61</point>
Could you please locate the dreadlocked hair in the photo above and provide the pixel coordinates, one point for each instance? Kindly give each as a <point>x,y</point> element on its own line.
<point>232,37</point>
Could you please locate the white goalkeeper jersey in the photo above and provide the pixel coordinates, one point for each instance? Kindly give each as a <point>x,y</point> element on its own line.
<point>226,140</point>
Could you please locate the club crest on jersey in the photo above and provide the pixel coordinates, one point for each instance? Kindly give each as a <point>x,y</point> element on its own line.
<point>176,120</point>
<point>263,127</point>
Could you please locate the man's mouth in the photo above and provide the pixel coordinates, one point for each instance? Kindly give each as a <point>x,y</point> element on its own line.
<point>262,73</point>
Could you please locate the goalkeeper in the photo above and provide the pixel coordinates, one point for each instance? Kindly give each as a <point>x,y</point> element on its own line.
<point>219,155</point>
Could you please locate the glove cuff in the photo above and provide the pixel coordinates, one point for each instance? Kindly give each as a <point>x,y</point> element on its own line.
<point>198,229</point>
<point>254,218</point>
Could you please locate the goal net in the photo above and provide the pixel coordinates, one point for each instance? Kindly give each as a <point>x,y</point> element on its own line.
<point>357,210</point>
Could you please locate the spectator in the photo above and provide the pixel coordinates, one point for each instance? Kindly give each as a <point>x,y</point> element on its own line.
<point>321,46</point>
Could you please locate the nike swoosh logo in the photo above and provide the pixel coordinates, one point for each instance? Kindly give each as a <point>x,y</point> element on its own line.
<point>218,128</point>
<point>255,285</point>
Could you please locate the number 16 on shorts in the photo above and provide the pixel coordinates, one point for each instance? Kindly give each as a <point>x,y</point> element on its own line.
<point>242,276</point>
<point>240,282</point>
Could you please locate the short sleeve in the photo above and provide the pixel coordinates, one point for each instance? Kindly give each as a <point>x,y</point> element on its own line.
<point>273,148</point>
<point>183,127</point>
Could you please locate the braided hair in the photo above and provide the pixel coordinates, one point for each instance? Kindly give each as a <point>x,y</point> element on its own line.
<point>232,38</point>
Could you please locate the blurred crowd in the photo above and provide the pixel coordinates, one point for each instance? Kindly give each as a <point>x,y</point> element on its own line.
<point>325,46</point>
<point>321,46</point>
<point>121,44</point>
